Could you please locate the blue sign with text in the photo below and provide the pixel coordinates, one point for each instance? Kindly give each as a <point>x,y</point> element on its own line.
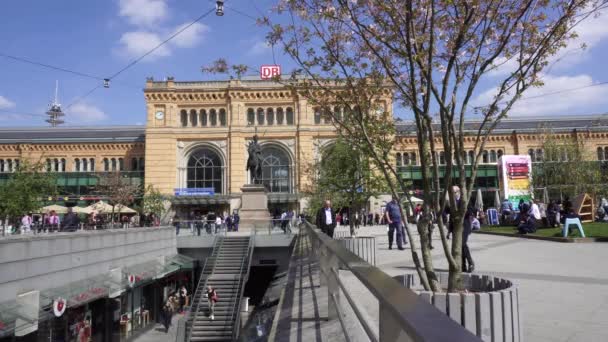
<point>194,191</point>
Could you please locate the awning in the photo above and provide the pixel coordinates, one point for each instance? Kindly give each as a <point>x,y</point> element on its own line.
<point>175,263</point>
<point>200,200</point>
<point>79,292</point>
<point>282,198</point>
<point>11,313</point>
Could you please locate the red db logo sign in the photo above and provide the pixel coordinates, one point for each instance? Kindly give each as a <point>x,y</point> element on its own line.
<point>269,71</point>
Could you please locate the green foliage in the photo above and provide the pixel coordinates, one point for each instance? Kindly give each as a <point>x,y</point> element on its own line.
<point>153,201</point>
<point>26,190</point>
<point>117,189</point>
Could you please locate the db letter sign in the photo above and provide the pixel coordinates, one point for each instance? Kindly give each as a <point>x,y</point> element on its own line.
<point>59,306</point>
<point>269,71</point>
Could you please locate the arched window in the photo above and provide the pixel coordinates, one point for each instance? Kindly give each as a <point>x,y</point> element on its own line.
<point>406,159</point>
<point>532,154</point>
<point>121,164</point>
<point>398,159</point>
<point>605,153</point>
<point>289,116</point>
<point>113,160</point>
<point>55,165</point>
<point>600,153</point>
<point>317,116</point>
<point>106,164</point>
<point>499,153</point>
<point>203,117</point>
<point>85,164</point>
<point>485,157</point>
<point>92,164</point>
<point>413,160</point>
<point>1,165</point>
<point>184,118</point>
<point>338,112</point>
<point>280,116</point>
<point>275,170</point>
<point>539,155</point>
<point>141,164</point>
<point>441,158</point>
<point>492,156</point>
<point>9,165</point>
<point>223,117</point>
<point>16,164</point>
<point>134,166</point>
<point>49,167</point>
<point>250,116</point>
<point>327,116</point>
<point>212,117</point>
<point>193,118</point>
<point>260,116</point>
<point>269,116</point>
<point>205,170</point>
<point>470,157</point>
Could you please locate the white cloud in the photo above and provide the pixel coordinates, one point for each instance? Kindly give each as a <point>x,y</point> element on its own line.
<point>567,102</point>
<point>191,37</point>
<point>144,13</point>
<point>259,48</point>
<point>135,44</point>
<point>6,103</point>
<point>85,113</point>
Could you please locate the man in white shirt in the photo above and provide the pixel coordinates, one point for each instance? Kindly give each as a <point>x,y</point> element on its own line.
<point>26,224</point>
<point>326,219</point>
<point>534,210</point>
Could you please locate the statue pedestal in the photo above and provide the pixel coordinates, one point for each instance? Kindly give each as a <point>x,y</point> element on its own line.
<point>254,208</point>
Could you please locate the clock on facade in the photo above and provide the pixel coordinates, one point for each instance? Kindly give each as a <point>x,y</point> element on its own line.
<point>160,115</point>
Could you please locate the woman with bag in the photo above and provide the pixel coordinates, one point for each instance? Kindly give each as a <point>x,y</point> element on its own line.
<point>212,298</point>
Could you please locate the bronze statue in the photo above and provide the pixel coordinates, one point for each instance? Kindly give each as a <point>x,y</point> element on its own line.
<point>254,162</point>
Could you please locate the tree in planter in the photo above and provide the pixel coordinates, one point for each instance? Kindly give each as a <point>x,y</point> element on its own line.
<point>434,55</point>
<point>25,190</point>
<point>344,175</point>
<point>153,201</point>
<point>563,163</point>
<point>118,190</point>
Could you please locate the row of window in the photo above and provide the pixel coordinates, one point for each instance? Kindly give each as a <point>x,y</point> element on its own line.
<point>88,164</point>
<point>602,153</point>
<point>270,116</point>
<point>9,165</point>
<point>538,155</point>
<point>487,157</point>
<point>203,118</point>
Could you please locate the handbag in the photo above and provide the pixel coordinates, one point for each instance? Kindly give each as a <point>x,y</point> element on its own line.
<point>215,298</point>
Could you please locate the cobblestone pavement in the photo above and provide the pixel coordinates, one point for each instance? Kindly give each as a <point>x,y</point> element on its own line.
<point>563,286</point>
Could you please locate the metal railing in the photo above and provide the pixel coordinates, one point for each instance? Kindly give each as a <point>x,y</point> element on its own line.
<point>362,246</point>
<point>403,315</point>
<point>244,274</point>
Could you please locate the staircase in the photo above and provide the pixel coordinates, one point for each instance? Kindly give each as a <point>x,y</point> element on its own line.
<point>226,270</point>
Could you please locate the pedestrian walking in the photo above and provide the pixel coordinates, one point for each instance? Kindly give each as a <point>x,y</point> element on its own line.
<point>212,298</point>
<point>71,221</point>
<point>167,315</point>
<point>470,223</point>
<point>394,220</point>
<point>326,219</point>
<point>26,224</point>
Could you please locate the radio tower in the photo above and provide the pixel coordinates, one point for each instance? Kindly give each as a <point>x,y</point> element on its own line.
<point>54,111</point>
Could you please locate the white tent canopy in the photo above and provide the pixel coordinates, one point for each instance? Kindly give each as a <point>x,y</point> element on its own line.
<point>105,208</point>
<point>59,209</point>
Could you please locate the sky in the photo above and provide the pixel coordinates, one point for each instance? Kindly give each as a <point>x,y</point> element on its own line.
<point>100,37</point>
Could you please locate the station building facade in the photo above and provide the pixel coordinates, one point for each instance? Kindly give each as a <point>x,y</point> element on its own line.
<point>193,147</point>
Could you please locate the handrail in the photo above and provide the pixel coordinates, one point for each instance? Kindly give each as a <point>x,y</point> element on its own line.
<point>402,309</point>
<point>236,317</point>
<point>198,287</point>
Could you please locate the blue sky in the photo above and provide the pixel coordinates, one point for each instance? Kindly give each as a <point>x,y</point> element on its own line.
<point>99,37</point>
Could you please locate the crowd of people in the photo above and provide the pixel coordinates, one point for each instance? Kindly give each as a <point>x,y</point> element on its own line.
<point>210,223</point>
<point>534,214</point>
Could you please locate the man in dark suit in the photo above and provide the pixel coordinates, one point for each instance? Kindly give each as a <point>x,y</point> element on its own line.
<point>326,219</point>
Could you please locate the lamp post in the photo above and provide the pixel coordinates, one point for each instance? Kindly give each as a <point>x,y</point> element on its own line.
<point>219,8</point>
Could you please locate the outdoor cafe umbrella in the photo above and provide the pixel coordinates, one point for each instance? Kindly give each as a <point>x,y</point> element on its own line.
<point>105,208</point>
<point>479,200</point>
<point>59,209</point>
<point>497,201</point>
<point>81,210</point>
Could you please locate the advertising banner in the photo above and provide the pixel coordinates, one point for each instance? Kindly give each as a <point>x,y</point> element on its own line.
<point>515,178</point>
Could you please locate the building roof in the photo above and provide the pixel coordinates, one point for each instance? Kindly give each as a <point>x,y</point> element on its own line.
<point>46,135</point>
<point>530,124</point>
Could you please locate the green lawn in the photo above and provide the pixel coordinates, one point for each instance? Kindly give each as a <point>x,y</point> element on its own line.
<point>595,229</point>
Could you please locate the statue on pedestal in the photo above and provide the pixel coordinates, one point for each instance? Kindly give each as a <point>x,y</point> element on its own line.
<point>254,162</point>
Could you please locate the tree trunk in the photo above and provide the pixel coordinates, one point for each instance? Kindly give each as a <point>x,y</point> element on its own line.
<point>427,259</point>
<point>455,277</point>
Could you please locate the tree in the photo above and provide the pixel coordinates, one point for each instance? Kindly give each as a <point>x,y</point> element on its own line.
<point>563,164</point>
<point>118,190</point>
<point>25,190</point>
<point>433,55</point>
<point>345,176</point>
<point>154,201</point>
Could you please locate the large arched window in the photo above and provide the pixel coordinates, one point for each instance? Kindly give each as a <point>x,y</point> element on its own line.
<point>212,117</point>
<point>205,170</point>
<point>289,116</point>
<point>85,165</point>
<point>492,156</point>
<point>280,116</point>
<point>275,169</point>
<point>398,159</point>
<point>222,117</point>
<point>269,116</point>
<point>203,115</point>
<point>106,164</point>
<point>260,116</point>
<point>92,164</point>
<point>317,116</point>
<point>250,116</point>
<point>77,165</point>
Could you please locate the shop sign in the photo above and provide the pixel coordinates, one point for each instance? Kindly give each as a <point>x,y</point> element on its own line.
<point>131,278</point>
<point>91,293</point>
<point>194,192</point>
<point>59,306</point>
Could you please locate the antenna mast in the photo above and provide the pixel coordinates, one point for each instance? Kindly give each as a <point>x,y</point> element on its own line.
<point>54,111</point>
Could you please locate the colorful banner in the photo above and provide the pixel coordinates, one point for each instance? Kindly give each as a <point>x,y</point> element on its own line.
<point>515,178</point>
